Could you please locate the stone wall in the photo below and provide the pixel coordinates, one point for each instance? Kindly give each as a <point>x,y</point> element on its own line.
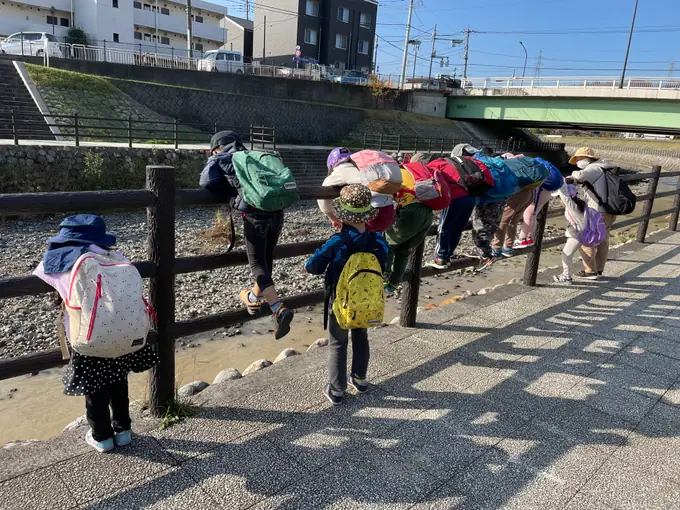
<point>627,158</point>
<point>54,168</point>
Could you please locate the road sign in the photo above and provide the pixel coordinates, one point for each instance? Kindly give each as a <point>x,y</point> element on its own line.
<point>298,53</point>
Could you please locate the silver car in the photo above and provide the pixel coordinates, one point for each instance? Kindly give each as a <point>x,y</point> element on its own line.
<point>34,44</point>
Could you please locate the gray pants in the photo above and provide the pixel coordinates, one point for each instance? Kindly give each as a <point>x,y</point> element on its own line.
<point>485,221</point>
<point>338,340</point>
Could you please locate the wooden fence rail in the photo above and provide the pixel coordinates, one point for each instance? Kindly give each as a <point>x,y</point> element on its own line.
<point>161,199</point>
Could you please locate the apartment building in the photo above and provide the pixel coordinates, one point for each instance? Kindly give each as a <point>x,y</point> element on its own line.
<point>158,25</point>
<point>239,36</point>
<point>339,33</point>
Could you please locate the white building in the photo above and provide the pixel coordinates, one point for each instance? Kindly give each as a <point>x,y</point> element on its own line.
<point>157,25</point>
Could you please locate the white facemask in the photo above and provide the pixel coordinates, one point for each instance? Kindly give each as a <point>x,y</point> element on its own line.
<point>582,163</point>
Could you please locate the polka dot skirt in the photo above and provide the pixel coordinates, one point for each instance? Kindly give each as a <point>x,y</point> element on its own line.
<point>85,375</point>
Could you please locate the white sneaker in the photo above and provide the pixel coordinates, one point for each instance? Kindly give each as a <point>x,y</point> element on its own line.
<point>101,446</point>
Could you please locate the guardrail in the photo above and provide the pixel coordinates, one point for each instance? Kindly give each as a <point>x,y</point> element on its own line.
<point>77,128</point>
<point>585,82</point>
<point>160,198</point>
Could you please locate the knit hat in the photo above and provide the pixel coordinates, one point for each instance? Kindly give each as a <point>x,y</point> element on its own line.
<point>354,204</point>
<point>582,153</point>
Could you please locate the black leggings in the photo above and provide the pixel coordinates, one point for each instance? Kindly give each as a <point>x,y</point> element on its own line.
<point>99,416</point>
<point>261,232</point>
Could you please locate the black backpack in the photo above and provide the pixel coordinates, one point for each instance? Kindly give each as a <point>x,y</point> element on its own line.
<point>473,175</point>
<point>620,200</point>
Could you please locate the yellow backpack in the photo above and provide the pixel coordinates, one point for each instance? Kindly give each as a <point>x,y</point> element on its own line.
<point>359,300</point>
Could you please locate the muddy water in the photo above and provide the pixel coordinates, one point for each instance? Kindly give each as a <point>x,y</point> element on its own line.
<point>35,407</point>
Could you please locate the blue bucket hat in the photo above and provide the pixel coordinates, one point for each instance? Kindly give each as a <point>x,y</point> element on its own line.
<point>76,234</point>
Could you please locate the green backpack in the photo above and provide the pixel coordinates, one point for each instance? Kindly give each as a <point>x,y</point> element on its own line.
<point>265,182</point>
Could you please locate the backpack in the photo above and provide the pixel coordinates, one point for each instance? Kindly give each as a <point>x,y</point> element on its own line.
<point>108,315</point>
<point>359,299</point>
<point>595,231</point>
<point>379,172</point>
<point>265,183</point>
<point>620,199</point>
<point>471,174</point>
<point>530,173</point>
<point>505,182</point>
<point>554,181</point>
<point>429,187</point>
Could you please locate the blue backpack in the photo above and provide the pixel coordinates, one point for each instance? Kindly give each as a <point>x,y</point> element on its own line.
<point>530,173</point>
<point>554,181</point>
<point>505,182</point>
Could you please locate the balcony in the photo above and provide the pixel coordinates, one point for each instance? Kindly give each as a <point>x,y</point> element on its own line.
<point>177,24</point>
<point>61,5</point>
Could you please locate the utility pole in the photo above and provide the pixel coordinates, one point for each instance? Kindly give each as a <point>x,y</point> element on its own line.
<point>671,68</point>
<point>264,42</point>
<point>467,51</point>
<point>416,47</point>
<point>539,63</point>
<point>190,37</point>
<point>247,9</point>
<point>402,76</point>
<point>630,40</point>
<point>432,55</point>
<point>375,55</point>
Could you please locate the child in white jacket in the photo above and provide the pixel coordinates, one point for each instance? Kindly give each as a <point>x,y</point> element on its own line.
<point>575,214</point>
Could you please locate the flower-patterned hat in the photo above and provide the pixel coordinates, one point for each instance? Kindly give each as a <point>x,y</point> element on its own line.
<point>354,204</point>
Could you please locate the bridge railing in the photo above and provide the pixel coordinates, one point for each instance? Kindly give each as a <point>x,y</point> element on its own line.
<point>160,198</point>
<point>585,82</point>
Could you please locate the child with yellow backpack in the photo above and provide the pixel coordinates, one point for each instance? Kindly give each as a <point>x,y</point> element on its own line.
<point>353,260</point>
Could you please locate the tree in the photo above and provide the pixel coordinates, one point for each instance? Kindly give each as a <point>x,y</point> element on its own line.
<point>76,36</point>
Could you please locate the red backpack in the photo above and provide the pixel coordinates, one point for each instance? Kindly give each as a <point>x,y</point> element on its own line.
<point>469,173</point>
<point>430,187</point>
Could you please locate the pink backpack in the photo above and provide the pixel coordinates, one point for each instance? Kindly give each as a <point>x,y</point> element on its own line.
<point>379,172</point>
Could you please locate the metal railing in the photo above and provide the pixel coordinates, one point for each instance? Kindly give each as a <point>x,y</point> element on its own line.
<point>79,128</point>
<point>585,82</point>
<point>161,199</point>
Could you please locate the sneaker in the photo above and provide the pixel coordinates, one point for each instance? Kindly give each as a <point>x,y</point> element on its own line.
<point>562,278</point>
<point>496,254</point>
<point>253,308</point>
<point>508,252</point>
<point>437,263</point>
<point>360,385</point>
<point>100,446</point>
<point>333,396</point>
<point>486,263</point>
<point>600,273</point>
<point>283,318</point>
<point>524,243</point>
<point>389,290</point>
<point>584,275</point>
<point>122,438</point>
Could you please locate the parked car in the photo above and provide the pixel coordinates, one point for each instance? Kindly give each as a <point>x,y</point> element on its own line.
<point>352,77</point>
<point>34,43</point>
<point>223,61</point>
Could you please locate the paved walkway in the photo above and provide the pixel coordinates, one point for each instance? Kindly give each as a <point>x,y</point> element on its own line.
<point>557,397</point>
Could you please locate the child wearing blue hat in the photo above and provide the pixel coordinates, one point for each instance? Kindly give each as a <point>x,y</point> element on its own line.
<point>101,380</point>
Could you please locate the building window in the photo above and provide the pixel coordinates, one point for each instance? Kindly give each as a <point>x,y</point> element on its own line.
<point>198,46</point>
<point>65,22</point>
<point>114,4</point>
<point>341,41</point>
<point>52,20</point>
<point>147,37</point>
<point>343,14</point>
<point>137,5</point>
<point>165,40</point>
<point>147,7</point>
<point>339,65</point>
<point>363,47</point>
<point>138,36</point>
<point>365,20</point>
<point>199,19</point>
<point>116,37</point>
<point>311,36</point>
<point>312,8</point>
<point>165,10</point>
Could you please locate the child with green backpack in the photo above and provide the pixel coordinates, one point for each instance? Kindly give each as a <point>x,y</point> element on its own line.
<point>261,187</point>
<point>353,260</point>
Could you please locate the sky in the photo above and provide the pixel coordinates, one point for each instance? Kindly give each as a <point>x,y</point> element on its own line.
<point>576,37</point>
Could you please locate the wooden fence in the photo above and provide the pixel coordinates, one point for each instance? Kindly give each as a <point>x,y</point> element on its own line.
<point>161,198</point>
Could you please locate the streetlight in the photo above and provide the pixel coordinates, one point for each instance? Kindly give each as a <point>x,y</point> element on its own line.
<point>526,57</point>
<point>630,39</point>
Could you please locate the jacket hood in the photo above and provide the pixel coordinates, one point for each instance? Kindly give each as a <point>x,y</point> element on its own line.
<point>228,141</point>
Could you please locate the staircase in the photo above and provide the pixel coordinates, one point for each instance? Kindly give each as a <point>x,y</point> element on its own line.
<point>15,96</point>
<point>308,165</point>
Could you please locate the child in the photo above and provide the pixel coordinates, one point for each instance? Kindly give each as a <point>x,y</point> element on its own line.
<point>575,213</point>
<point>261,230</point>
<point>353,208</point>
<point>540,199</point>
<point>103,381</point>
<point>513,212</point>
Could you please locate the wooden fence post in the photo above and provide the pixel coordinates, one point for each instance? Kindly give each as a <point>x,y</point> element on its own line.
<point>649,204</point>
<point>15,131</point>
<point>129,126</point>
<point>534,258</point>
<point>76,128</point>
<point>176,133</point>
<point>411,293</point>
<point>161,246</point>
<point>673,223</point>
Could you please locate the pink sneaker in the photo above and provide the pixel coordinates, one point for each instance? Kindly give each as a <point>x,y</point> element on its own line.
<point>524,243</point>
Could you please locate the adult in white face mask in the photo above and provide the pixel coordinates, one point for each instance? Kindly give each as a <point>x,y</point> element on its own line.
<point>591,176</point>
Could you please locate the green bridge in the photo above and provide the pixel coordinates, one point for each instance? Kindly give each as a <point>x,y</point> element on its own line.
<point>616,113</point>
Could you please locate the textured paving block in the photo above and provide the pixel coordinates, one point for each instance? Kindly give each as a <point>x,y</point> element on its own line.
<point>38,490</point>
<point>647,361</point>
<point>631,488</point>
<point>95,475</point>
<point>629,378</point>
<point>172,489</point>
<point>672,396</point>
<point>582,502</point>
<point>244,472</point>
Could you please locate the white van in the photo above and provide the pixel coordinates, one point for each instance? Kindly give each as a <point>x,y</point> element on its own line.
<point>34,44</point>
<point>223,61</point>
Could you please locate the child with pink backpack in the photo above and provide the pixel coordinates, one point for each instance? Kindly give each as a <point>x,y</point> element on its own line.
<point>106,321</point>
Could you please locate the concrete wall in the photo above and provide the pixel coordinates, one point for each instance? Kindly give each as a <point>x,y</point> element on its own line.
<point>18,17</point>
<point>428,103</point>
<point>282,88</point>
